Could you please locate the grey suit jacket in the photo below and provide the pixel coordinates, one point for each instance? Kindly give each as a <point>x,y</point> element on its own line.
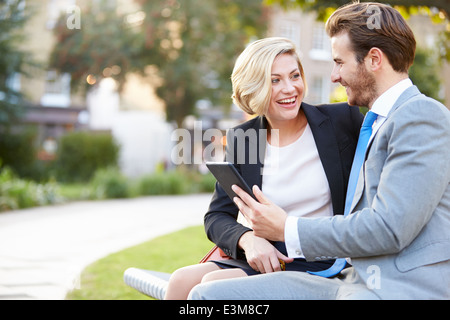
<point>398,236</point>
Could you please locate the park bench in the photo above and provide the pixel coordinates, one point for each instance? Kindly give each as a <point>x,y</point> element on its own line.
<point>154,283</point>
<point>151,283</point>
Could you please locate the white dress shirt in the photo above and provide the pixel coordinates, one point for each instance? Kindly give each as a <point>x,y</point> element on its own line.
<point>382,106</point>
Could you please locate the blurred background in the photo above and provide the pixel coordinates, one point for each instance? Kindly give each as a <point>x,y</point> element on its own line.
<point>92,91</point>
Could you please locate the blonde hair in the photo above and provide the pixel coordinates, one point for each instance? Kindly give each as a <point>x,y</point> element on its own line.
<point>252,74</point>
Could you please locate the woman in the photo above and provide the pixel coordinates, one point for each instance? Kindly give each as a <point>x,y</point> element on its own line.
<point>307,157</point>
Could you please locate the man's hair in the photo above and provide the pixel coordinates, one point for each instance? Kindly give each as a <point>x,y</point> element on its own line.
<point>372,24</point>
<point>251,78</point>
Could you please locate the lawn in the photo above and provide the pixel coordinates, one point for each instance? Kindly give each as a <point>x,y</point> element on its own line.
<point>103,280</point>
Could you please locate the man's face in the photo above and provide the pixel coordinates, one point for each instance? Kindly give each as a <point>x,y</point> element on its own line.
<point>359,82</point>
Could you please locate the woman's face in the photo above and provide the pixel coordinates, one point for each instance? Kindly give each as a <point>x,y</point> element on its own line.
<point>287,89</point>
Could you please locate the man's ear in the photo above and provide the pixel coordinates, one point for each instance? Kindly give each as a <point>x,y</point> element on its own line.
<point>374,59</point>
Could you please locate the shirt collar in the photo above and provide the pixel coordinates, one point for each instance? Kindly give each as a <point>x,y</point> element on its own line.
<point>383,105</point>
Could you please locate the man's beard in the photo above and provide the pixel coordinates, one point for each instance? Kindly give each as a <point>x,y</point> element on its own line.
<point>363,88</point>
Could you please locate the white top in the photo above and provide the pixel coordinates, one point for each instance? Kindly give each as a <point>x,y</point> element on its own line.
<point>294,178</point>
<point>382,106</point>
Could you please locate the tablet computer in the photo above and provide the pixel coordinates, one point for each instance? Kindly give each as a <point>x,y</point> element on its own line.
<point>227,175</point>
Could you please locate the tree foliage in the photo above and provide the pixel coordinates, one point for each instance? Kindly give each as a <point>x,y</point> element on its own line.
<point>324,6</point>
<point>103,46</point>
<point>12,58</point>
<point>191,43</point>
<point>425,73</point>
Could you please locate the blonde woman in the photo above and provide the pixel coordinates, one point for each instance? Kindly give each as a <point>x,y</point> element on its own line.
<point>307,153</point>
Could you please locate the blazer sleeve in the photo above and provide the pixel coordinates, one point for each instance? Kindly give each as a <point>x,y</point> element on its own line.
<point>220,220</point>
<point>221,224</point>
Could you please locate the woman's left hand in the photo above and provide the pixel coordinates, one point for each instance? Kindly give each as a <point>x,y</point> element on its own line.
<point>266,219</point>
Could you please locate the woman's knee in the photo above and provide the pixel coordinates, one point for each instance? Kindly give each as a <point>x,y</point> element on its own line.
<point>210,276</point>
<point>192,273</point>
<point>180,275</point>
<point>184,279</point>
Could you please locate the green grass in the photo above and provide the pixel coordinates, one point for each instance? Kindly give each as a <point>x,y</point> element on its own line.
<point>74,191</point>
<point>103,280</point>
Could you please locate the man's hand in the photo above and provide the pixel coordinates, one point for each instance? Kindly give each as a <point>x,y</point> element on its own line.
<point>266,219</point>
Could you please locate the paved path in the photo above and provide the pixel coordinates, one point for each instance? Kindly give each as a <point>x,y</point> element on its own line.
<point>43,250</point>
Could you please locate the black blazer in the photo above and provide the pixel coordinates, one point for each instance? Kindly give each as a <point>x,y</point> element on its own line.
<point>335,129</point>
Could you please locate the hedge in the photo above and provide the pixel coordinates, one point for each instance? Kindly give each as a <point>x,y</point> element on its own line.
<point>81,154</point>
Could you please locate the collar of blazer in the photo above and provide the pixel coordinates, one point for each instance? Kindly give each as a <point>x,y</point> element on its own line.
<point>405,96</point>
<point>327,146</point>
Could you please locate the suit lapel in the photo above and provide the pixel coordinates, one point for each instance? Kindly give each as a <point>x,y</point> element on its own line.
<point>359,188</point>
<point>252,173</point>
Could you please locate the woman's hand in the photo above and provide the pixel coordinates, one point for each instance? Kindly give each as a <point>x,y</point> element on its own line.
<point>261,255</point>
<point>266,219</point>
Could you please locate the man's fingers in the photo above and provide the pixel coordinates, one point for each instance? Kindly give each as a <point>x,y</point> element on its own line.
<point>248,200</point>
<point>244,202</point>
<point>259,195</point>
<point>239,203</point>
<point>243,208</point>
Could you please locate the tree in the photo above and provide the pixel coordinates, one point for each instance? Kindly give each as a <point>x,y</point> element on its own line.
<point>424,73</point>
<point>191,43</point>
<point>12,59</point>
<point>194,44</point>
<point>103,46</point>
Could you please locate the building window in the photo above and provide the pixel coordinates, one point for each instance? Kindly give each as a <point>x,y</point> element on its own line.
<point>321,49</point>
<point>291,30</point>
<point>57,90</point>
<point>319,90</point>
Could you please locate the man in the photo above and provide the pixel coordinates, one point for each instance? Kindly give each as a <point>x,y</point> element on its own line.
<point>397,234</point>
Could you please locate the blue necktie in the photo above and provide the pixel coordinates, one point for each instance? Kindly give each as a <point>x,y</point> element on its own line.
<point>363,141</point>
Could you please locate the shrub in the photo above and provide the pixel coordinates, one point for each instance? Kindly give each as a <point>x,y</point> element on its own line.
<point>207,183</point>
<point>81,154</point>
<point>175,182</point>
<point>170,183</point>
<point>16,193</point>
<point>17,151</point>
<point>110,183</point>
